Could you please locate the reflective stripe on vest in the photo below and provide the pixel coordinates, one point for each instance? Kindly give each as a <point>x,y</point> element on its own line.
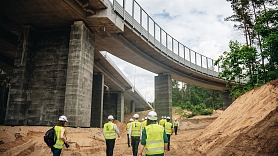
<point>136,126</point>
<point>109,131</point>
<point>59,142</point>
<point>154,139</point>
<point>168,128</point>
<point>176,123</point>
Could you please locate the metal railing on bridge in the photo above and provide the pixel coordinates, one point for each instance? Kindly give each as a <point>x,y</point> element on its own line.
<point>135,16</point>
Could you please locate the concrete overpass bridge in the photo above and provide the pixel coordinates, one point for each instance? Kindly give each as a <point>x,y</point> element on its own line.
<point>56,44</point>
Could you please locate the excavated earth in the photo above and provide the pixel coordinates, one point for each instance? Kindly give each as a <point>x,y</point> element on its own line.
<point>248,127</point>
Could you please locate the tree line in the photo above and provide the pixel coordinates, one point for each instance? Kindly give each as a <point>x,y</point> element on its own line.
<point>197,100</point>
<point>255,62</point>
<point>250,64</point>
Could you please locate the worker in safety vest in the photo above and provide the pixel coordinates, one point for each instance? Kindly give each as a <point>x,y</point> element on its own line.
<point>127,130</point>
<point>135,134</point>
<point>60,133</point>
<point>176,126</point>
<point>154,138</point>
<point>162,121</point>
<point>144,123</point>
<point>109,131</point>
<point>169,130</point>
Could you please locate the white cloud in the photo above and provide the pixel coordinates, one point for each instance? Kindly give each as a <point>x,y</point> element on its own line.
<point>197,24</point>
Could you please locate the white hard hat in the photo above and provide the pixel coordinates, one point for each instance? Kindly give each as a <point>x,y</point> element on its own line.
<point>131,119</point>
<point>143,119</point>
<point>152,115</point>
<point>63,118</point>
<point>146,118</point>
<point>168,117</point>
<point>164,117</point>
<point>175,118</point>
<point>110,117</point>
<point>136,116</point>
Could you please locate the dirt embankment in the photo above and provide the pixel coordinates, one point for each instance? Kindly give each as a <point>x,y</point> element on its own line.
<point>248,127</point>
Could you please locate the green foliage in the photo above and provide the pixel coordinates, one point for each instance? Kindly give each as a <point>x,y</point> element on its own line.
<point>267,27</point>
<point>245,62</point>
<point>241,63</point>
<point>197,100</point>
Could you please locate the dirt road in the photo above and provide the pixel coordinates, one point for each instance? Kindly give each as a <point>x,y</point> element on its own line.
<point>22,141</point>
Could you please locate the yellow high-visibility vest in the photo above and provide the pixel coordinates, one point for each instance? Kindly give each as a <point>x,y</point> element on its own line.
<point>176,123</point>
<point>109,131</point>
<point>162,122</point>
<point>144,124</point>
<point>136,126</point>
<point>59,142</point>
<point>168,128</point>
<point>154,139</point>
<point>128,126</point>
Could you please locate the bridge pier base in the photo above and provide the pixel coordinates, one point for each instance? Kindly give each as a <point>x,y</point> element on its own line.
<point>78,95</point>
<point>227,100</point>
<point>97,100</point>
<point>37,93</point>
<point>132,106</point>
<point>120,106</point>
<point>163,95</point>
<point>113,104</point>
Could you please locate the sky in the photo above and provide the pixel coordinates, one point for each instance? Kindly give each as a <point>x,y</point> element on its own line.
<point>197,24</point>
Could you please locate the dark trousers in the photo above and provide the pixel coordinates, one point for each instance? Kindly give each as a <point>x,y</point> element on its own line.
<point>176,130</point>
<point>135,143</point>
<point>56,151</point>
<point>168,136</point>
<point>110,147</point>
<point>128,142</point>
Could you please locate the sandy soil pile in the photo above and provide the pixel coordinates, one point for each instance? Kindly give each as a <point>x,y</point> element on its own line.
<point>248,127</point>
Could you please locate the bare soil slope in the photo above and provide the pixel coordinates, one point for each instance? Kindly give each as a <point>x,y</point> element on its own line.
<point>248,127</point>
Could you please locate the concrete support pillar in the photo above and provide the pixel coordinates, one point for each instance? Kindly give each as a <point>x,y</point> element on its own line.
<point>110,105</point>
<point>163,95</point>
<point>17,106</point>
<point>120,107</point>
<point>39,78</point>
<point>132,106</point>
<point>227,100</point>
<point>97,100</point>
<point>78,95</point>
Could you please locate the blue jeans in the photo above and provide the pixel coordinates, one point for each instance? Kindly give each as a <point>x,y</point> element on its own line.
<point>56,151</point>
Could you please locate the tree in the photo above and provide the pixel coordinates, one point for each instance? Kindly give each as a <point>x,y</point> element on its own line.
<point>267,26</point>
<point>240,64</point>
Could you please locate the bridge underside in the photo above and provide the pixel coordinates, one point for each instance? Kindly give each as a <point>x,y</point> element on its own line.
<point>53,74</point>
<point>53,61</point>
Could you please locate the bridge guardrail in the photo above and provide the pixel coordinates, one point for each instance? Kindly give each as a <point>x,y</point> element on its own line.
<point>161,40</point>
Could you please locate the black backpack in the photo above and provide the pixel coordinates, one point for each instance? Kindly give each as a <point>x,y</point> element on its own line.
<point>50,137</point>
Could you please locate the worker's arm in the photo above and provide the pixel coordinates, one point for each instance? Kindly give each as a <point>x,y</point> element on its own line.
<point>63,136</point>
<point>141,149</point>
<point>130,130</point>
<point>117,130</point>
<point>165,141</point>
<point>143,142</point>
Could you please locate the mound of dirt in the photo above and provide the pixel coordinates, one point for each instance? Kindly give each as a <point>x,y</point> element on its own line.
<point>247,127</point>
